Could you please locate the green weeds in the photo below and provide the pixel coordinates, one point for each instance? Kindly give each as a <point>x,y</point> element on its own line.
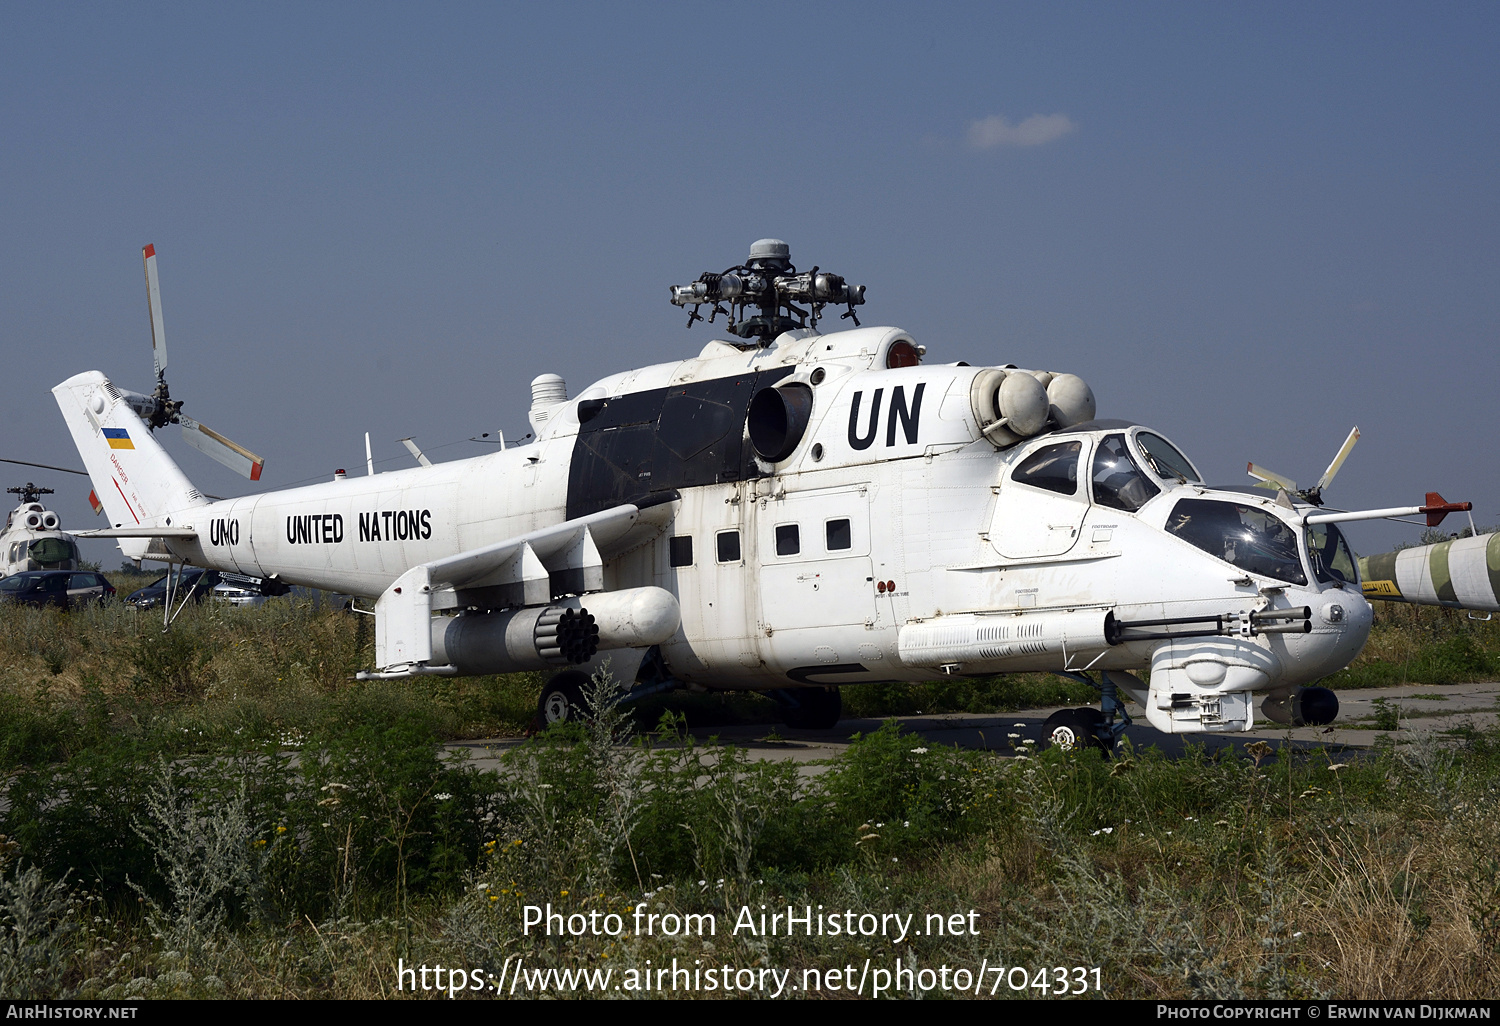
<point>233,815</point>
<point>1423,645</point>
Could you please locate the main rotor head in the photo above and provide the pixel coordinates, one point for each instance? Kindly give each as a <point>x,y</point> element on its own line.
<point>769,282</point>
<point>29,493</point>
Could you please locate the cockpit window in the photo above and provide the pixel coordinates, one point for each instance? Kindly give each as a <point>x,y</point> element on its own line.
<point>1164,458</point>
<point>1118,482</point>
<point>1053,467</point>
<point>1246,536</point>
<point>1332,561</point>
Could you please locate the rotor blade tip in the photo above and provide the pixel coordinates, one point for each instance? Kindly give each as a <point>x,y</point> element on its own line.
<point>149,251</point>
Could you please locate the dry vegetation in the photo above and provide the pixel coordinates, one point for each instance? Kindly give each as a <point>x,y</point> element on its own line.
<point>223,811</point>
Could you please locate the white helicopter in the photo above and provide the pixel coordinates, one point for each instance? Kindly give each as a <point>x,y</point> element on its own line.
<point>790,511</point>
<point>32,538</point>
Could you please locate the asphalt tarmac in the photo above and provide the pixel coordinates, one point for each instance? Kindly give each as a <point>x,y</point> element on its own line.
<point>1420,709</point>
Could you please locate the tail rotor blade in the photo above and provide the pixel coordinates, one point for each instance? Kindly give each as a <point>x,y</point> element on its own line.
<point>1271,479</point>
<point>411,447</point>
<point>1338,461</point>
<point>153,300</point>
<point>215,446</point>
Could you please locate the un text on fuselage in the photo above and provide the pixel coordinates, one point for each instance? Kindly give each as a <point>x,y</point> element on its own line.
<point>909,417</point>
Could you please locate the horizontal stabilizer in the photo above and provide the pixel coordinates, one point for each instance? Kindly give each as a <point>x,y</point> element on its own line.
<point>138,532</point>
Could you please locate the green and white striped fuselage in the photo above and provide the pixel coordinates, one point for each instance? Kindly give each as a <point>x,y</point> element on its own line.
<point>1463,573</point>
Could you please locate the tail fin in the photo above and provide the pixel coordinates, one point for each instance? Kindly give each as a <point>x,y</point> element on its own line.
<point>135,479</point>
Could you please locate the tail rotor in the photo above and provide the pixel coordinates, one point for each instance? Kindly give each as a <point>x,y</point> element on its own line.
<point>1314,495</point>
<point>159,408</point>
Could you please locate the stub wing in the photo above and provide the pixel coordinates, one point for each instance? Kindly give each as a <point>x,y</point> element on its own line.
<point>524,571</point>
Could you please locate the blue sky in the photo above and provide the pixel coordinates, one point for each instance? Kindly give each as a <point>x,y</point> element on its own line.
<point>1251,226</point>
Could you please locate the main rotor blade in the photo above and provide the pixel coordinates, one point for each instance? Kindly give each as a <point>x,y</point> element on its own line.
<point>215,446</point>
<point>48,466</point>
<point>1338,461</point>
<point>153,301</point>
<point>1271,479</point>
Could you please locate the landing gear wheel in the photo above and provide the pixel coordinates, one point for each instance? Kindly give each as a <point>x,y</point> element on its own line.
<point>1073,729</point>
<point>817,709</point>
<point>562,700</point>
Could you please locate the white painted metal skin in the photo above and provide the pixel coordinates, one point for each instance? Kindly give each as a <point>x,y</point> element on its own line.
<point>946,565</point>
<point>17,537</point>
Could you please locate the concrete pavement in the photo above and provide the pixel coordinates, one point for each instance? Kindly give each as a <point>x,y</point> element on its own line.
<point>1420,709</point>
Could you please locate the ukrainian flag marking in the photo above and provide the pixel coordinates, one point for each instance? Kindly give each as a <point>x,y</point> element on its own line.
<point>118,438</point>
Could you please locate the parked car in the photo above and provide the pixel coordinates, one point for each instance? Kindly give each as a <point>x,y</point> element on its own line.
<point>196,584</point>
<point>62,588</point>
<point>193,583</point>
<point>238,590</point>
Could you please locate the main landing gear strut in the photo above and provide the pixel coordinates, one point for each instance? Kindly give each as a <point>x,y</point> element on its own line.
<point>1073,729</point>
<point>565,696</point>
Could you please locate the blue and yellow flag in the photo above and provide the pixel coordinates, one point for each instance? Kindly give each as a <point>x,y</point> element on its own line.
<point>118,438</point>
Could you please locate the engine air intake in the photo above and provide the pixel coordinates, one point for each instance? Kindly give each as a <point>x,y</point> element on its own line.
<point>778,419</point>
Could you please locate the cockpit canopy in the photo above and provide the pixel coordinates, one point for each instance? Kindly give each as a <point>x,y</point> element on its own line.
<point>1124,466</point>
<point>1121,476</point>
<point>1258,541</point>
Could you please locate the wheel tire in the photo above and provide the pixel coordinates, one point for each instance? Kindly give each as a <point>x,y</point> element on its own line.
<point>562,700</point>
<point>1072,730</point>
<point>819,709</point>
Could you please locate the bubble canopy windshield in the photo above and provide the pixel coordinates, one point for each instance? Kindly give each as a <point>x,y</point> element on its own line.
<point>1165,459</point>
<point>1248,537</point>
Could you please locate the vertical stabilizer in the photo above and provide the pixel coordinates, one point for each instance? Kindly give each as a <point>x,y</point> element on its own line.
<point>134,478</point>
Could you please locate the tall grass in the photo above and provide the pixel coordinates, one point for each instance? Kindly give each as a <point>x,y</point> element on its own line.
<point>233,815</point>
<point>1423,645</point>
<point>1279,874</point>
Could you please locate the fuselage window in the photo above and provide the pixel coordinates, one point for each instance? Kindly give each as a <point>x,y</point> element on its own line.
<point>681,550</point>
<point>788,540</point>
<point>1118,482</point>
<point>1053,467</point>
<point>839,535</point>
<point>729,546</point>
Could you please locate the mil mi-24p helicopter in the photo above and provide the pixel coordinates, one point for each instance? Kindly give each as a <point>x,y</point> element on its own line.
<point>789,511</point>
